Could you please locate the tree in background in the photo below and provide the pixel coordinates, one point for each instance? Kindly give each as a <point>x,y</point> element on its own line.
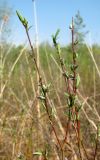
<point>79,28</point>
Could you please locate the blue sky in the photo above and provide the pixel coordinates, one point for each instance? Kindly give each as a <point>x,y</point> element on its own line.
<point>54,14</point>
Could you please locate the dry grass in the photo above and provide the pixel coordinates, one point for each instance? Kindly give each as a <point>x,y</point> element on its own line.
<point>25,129</point>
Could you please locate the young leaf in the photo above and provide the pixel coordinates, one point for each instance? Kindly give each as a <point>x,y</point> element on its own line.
<point>37,153</point>
<point>77,80</point>
<point>20,17</point>
<point>79,107</point>
<point>54,37</point>
<point>53,112</point>
<point>29,28</point>
<point>66,75</point>
<point>76,42</point>
<point>73,67</point>
<point>57,33</point>
<point>41,97</point>
<point>71,100</point>
<point>46,88</point>
<point>71,76</point>
<point>76,55</point>
<point>54,40</point>
<point>98,131</point>
<point>70,27</point>
<point>66,94</point>
<point>23,20</point>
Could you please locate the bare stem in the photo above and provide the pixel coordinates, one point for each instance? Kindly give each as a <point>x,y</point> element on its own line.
<point>75,89</point>
<point>96,146</point>
<point>84,150</point>
<point>44,93</point>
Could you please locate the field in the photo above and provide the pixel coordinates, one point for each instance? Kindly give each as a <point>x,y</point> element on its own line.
<point>49,100</point>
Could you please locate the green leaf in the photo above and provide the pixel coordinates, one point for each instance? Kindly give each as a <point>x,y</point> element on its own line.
<point>37,153</point>
<point>79,107</point>
<point>77,80</point>
<point>53,112</point>
<point>98,131</point>
<point>46,88</point>
<point>57,33</point>
<point>71,76</point>
<point>41,97</point>
<point>73,67</point>
<point>71,100</point>
<point>59,49</point>
<point>54,37</point>
<point>20,17</point>
<point>66,75</point>
<point>76,42</point>
<point>54,40</point>
<point>66,94</point>
<point>23,20</point>
<point>29,28</point>
<point>70,27</point>
<point>76,55</point>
